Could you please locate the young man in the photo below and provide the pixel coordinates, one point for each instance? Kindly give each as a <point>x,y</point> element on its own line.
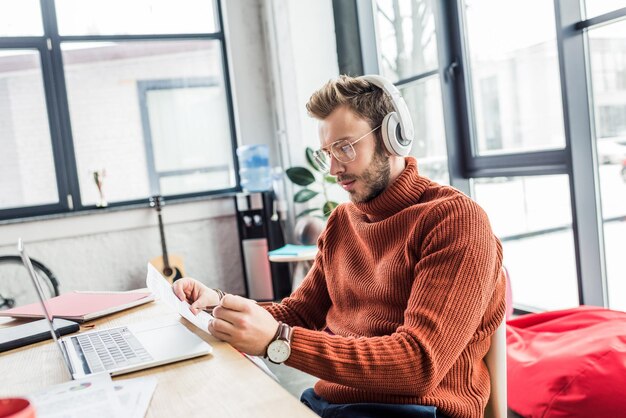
<point>396,314</point>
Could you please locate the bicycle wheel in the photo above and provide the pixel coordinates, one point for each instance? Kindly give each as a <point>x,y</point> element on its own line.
<point>16,287</point>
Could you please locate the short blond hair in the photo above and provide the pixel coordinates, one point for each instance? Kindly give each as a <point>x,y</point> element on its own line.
<point>362,97</point>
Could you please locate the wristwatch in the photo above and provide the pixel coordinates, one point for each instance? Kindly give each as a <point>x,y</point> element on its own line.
<point>279,349</point>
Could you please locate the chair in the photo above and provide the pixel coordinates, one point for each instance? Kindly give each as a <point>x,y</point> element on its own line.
<point>15,286</point>
<point>496,363</point>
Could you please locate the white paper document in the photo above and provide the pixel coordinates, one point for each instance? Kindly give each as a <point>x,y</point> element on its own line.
<point>163,290</point>
<point>135,395</point>
<point>257,361</point>
<point>95,396</point>
<point>92,396</point>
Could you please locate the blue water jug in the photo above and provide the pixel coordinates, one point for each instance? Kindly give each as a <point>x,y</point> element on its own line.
<point>254,167</point>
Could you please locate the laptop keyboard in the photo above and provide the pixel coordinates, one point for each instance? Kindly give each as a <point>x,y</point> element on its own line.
<point>112,349</point>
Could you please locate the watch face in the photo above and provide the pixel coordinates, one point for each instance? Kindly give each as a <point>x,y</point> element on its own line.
<point>278,351</point>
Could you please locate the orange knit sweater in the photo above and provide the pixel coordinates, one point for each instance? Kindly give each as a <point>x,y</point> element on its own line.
<point>401,301</point>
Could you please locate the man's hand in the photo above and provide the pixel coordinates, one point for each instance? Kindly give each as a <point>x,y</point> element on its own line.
<point>244,324</point>
<point>195,293</point>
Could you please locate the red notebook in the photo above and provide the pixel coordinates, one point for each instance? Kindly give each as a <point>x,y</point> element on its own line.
<point>82,306</point>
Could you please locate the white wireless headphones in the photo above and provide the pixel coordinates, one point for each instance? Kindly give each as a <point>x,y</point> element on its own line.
<point>397,126</point>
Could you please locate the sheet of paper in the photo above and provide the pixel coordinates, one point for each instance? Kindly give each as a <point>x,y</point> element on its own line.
<point>261,365</point>
<point>93,396</point>
<point>163,290</point>
<point>135,394</point>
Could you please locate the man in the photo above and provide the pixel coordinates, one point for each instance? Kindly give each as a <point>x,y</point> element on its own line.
<point>396,314</point>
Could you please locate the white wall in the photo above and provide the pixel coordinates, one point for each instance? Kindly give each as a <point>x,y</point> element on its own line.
<point>109,250</point>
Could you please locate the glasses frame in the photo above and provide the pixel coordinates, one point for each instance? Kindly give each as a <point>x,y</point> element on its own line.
<point>328,151</point>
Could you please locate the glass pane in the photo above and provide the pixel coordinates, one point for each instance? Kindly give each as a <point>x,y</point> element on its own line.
<point>514,76</point>
<point>20,18</point>
<point>607,48</point>
<point>532,216</point>
<point>429,147</point>
<point>144,111</point>
<point>405,31</point>
<point>27,174</point>
<point>600,7</point>
<point>121,17</point>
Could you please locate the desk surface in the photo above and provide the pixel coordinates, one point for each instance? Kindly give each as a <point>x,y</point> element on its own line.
<point>222,384</point>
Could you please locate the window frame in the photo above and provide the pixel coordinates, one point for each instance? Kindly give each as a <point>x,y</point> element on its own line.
<point>49,47</point>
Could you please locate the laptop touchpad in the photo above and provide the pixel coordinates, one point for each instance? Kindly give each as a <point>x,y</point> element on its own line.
<point>171,339</point>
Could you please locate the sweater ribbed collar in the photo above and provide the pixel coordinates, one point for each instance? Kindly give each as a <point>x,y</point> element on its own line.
<point>405,191</point>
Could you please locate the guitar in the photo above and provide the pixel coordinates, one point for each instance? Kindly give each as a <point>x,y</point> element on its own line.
<point>171,266</point>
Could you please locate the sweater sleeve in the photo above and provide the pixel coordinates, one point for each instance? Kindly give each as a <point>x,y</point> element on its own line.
<point>459,263</point>
<point>308,305</point>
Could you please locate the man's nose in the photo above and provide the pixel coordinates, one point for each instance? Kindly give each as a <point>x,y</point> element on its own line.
<point>336,167</point>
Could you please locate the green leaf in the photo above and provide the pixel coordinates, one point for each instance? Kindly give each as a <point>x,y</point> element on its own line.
<point>304,195</point>
<point>311,160</point>
<point>330,179</point>
<point>301,176</point>
<point>329,207</point>
<point>307,211</point>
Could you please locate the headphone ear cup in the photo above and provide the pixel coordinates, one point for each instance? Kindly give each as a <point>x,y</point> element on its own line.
<point>387,134</point>
<point>390,131</point>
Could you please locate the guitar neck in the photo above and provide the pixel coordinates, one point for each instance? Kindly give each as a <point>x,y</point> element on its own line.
<point>166,261</point>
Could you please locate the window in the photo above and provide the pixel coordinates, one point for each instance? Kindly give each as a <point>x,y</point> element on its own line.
<point>405,34</point>
<point>532,217</point>
<point>20,18</point>
<point>423,99</point>
<point>27,173</point>
<point>598,7</point>
<point>515,76</point>
<point>406,42</point>
<point>139,17</point>
<point>136,92</point>
<point>607,49</point>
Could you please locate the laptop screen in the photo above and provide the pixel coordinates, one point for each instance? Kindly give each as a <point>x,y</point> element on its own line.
<point>35,279</point>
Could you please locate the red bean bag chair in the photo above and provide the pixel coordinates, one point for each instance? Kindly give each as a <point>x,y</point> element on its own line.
<point>568,363</point>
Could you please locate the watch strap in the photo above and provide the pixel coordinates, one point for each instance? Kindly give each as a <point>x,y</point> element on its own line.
<point>284,332</point>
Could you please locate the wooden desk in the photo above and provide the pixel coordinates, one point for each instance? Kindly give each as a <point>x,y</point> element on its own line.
<point>222,384</point>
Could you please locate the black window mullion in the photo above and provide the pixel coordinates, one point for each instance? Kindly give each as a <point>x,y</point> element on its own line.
<point>519,164</point>
<point>55,128</point>
<point>451,94</point>
<point>71,197</point>
<point>157,37</point>
<point>602,19</point>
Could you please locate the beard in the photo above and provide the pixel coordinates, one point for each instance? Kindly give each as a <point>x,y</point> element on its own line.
<point>374,179</point>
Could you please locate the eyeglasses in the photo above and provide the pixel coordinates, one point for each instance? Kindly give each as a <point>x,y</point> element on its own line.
<point>342,150</point>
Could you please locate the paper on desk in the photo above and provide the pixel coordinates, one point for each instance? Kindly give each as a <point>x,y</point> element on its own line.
<point>261,365</point>
<point>163,290</point>
<point>96,396</point>
<point>92,396</point>
<point>135,395</point>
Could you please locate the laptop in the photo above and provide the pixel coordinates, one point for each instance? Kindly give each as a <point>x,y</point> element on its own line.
<point>122,349</point>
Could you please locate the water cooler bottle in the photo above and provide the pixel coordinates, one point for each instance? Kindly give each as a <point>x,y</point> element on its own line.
<point>259,234</point>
